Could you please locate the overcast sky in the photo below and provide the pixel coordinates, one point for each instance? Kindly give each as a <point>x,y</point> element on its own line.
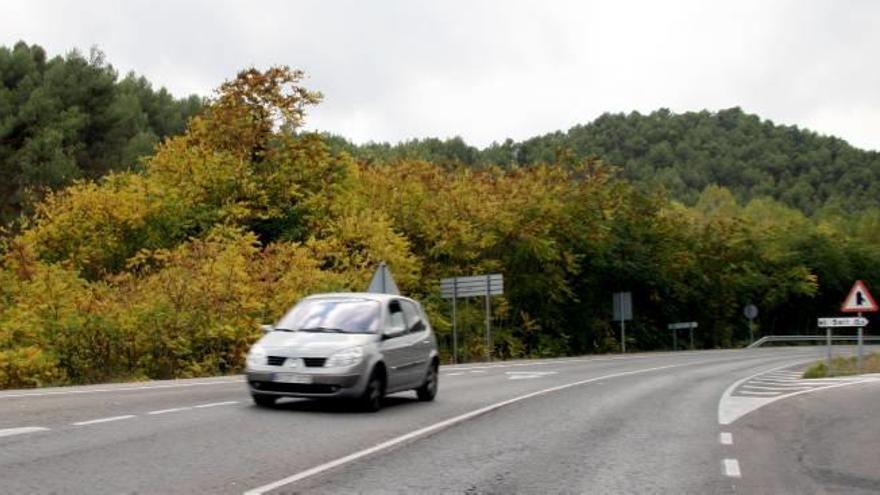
<point>488,70</point>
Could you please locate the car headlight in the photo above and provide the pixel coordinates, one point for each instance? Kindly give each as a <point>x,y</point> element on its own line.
<point>348,357</point>
<point>256,356</point>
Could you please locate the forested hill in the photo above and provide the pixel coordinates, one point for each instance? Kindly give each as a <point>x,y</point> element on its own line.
<point>70,117</point>
<point>684,153</point>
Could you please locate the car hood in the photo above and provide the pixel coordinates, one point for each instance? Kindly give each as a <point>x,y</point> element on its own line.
<point>312,344</point>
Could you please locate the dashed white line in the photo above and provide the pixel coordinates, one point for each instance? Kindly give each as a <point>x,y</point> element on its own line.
<point>215,404</point>
<point>477,371</point>
<point>8,432</point>
<point>103,420</point>
<point>725,438</point>
<point>731,468</point>
<point>165,411</point>
<point>120,389</point>
<point>454,374</point>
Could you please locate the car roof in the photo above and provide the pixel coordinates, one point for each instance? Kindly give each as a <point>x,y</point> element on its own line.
<point>373,296</point>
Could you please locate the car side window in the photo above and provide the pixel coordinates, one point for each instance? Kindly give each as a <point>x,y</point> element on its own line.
<point>413,318</point>
<point>395,315</point>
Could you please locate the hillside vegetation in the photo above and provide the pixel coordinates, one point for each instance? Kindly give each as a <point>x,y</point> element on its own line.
<point>168,269</point>
<point>682,154</point>
<point>70,117</point>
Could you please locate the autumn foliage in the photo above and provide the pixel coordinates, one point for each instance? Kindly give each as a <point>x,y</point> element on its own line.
<point>168,271</point>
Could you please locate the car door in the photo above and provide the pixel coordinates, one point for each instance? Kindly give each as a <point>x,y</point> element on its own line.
<point>418,352</point>
<point>396,349</point>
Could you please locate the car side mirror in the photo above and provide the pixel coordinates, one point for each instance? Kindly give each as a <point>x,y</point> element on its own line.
<point>267,328</point>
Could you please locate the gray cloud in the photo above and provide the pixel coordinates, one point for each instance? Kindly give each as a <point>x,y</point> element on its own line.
<point>487,70</point>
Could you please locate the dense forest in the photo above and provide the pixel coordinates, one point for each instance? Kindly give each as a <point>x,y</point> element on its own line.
<point>71,117</point>
<point>681,154</point>
<point>166,269</point>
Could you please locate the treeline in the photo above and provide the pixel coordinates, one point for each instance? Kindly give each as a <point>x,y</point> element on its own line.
<point>167,270</point>
<point>71,117</point>
<point>681,154</point>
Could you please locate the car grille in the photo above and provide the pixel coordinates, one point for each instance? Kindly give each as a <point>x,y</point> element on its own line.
<point>309,362</point>
<point>275,360</point>
<point>296,388</point>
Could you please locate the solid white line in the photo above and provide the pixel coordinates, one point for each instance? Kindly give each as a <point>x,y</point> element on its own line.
<point>440,426</point>
<point>173,409</point>
<point>8,432</point>
<point>477,371</point>
<point>725,438</point>
<point>731,468</point>
<point>103,420</point>
<point>755,392</point>
<point>215,404</point>
<point>453,374</point>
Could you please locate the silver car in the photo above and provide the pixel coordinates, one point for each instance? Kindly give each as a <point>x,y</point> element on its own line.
<point>349,345</point>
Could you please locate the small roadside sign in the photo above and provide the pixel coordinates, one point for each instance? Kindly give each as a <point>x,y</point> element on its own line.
<point>859,300</point>
<point>842,322</point>
<point>682,325</point>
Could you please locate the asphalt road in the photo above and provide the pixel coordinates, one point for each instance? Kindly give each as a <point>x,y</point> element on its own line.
<point>637,423</point>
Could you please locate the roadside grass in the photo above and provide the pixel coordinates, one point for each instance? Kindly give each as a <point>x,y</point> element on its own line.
<point>843,366</point>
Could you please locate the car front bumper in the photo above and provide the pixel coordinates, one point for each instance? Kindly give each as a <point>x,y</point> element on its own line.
<point>323,384</point>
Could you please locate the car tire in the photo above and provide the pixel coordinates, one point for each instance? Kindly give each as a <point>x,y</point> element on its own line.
<point>371,400</point>
<point>428,390</point>
<point>263,400</point>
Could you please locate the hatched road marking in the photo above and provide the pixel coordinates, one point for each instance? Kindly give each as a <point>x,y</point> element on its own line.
<point>758,390</point>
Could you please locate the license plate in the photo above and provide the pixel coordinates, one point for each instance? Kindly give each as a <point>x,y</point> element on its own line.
<point>291,378</point>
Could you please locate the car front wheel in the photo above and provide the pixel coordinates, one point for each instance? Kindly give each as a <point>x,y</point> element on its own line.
<point>428,390</point>
<point>371,401</point>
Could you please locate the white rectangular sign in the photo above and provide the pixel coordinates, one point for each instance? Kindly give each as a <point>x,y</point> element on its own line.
<point>478,285</point>
<point>682,325</point>
<point>842,322</point>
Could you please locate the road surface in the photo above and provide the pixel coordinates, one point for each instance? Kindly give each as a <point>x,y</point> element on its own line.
<point>653,422</point>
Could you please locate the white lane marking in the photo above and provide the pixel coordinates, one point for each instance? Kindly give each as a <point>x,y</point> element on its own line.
<point>441,426</point>
<point>477,371</point>
<point>525,375</point>
<point>725,438</point>
<point>454,374</point>
<point>732,407</point>
<point>103,420</point>
<point>121,389</point>
<point>8,432</point>
<point>731,468</point>
<point>756,392</point>
<point>774,389</point>
<point>215,404</point>
<point>166,411</point>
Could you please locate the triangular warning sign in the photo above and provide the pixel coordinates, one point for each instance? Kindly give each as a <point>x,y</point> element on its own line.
<point>859,300</point>
<point>383,282</point>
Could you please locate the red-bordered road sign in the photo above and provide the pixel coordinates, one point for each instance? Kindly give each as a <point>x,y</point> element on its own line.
<point>859,300</point>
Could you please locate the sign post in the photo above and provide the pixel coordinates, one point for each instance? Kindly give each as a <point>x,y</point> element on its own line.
<point>621,305</point>
<point>829,323</point>
<point>751,312</point>
<point>858,301</point>
<point>689,325</point>
<point>475,286</point>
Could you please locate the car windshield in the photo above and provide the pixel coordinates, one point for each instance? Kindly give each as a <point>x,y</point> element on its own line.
<point>332,316</point>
